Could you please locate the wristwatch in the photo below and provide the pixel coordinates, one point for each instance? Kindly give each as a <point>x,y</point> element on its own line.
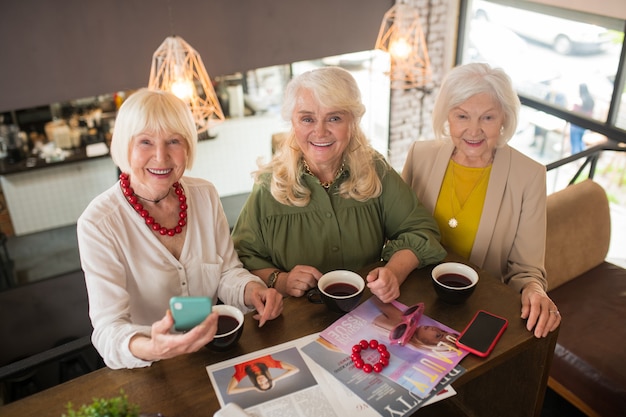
<point>271,282</point>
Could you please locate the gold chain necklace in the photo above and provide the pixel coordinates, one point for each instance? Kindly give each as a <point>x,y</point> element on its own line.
<point>453,222</point>
<point>325,184</point>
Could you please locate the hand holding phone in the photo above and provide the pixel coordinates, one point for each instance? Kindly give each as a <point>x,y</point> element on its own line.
<point>482,333</point>
<point>188,312</point>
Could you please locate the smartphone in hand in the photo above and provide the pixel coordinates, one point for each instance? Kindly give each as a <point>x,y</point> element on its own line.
<point>188,312</point>
<point>482,333</point>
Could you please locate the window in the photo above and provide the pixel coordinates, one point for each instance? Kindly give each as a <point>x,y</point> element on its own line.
<point>553,57</point>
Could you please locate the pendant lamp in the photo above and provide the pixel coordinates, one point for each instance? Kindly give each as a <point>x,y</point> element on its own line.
<point>402,37</point>
<point>178,68</point>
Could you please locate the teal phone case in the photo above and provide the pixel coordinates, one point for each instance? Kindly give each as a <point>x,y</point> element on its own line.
<point>188,312</point>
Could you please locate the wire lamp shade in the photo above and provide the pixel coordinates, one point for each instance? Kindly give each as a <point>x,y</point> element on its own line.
<point>178,68</point>
<point>402,37</point>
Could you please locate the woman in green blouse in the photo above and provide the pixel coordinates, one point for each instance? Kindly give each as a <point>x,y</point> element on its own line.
<point>327,200</point>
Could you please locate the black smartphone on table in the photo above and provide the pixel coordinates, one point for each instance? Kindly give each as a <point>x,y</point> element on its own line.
<point>482,333</point>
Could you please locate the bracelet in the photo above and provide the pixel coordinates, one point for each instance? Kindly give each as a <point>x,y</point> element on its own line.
<point>359,363</point>
<point>271,282</point>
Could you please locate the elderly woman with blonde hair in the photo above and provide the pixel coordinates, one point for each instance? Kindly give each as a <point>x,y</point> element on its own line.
<point>327,200</point>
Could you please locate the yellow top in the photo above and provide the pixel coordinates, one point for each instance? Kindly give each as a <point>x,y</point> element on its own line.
<point>465,205</point>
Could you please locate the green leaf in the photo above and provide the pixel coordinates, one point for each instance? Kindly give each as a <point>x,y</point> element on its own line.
<point>105,407</point>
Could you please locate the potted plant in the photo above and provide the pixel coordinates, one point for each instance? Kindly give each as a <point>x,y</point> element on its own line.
<point>105,407</point>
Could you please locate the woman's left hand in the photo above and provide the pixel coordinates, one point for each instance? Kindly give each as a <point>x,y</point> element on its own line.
<point>267,301</point>
<point>540,310</point>
<point>384,284</point>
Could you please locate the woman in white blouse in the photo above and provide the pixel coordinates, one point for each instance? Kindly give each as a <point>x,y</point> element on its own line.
<point>156,234</point>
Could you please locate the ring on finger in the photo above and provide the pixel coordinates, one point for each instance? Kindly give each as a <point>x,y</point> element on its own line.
<point>555,312</point>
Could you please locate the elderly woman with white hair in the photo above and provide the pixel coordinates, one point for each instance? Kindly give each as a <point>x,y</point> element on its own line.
<point>327,200</point>
<point>488,199</point>
<point>156,234</point>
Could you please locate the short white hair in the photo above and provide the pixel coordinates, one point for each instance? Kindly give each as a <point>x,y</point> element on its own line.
<point>155,111</point>
<point>466,81</point>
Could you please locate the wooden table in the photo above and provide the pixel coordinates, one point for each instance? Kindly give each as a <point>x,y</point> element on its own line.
<point>510,382</point>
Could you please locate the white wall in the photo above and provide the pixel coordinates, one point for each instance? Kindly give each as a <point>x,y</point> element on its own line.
<point>229,159</point>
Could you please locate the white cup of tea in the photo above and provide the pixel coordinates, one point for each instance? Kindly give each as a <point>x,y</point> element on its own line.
<point>340,290</point>
<point>454,282</point>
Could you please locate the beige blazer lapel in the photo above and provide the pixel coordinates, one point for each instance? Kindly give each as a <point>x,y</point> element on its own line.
<point>493,201</point>
<point>440,165</point>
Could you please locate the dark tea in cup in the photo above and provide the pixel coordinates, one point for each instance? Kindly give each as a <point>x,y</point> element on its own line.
<point>226,324</point>
<point>454,282</point>
<point>229,327</point>
<point>341,289</point>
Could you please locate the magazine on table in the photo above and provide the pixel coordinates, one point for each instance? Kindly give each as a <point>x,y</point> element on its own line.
<point>298,384</point>
<point>426,358</point>
<point>383,395</point>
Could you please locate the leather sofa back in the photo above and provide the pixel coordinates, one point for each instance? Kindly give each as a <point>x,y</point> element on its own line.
<point>578,231</point>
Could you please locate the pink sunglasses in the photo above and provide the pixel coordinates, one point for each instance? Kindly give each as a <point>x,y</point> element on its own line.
<point>403,332</point>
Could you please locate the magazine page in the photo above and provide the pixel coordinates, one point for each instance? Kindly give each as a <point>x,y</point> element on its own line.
<point>286,383</point>
<point>344,400</point>
<point>385,396</point>
<point>419,365</point>
<point>447,391</point>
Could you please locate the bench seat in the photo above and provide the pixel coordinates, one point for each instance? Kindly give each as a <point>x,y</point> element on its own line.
<point>589,364</point>
<point>589,358</point>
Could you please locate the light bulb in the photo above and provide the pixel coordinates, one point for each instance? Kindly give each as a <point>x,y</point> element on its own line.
<point>183,89</point>
<point>400,48</point>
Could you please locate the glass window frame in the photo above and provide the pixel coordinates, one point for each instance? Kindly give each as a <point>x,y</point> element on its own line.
<point>607,127</point>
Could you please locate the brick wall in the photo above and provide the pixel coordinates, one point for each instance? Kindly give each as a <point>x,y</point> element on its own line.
<point>410,118</point>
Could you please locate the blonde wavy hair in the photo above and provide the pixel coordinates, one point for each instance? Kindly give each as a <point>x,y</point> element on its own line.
<point>332,87</point>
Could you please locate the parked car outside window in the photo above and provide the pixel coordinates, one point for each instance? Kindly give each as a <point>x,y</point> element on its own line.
<point>567,37</point>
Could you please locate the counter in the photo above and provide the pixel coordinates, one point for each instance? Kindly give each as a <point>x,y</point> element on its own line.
<point>50,195</point>
<point>41,199</point>
<point>33,163</point>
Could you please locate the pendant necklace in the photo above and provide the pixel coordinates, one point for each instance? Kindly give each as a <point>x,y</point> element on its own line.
<point>133,199</point>
<point>453,222</point>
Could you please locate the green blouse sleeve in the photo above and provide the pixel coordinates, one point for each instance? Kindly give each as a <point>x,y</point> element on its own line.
<point>408,224</point>
<point>247,234</point>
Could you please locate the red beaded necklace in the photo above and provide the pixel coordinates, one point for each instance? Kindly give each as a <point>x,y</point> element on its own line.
<point>130,195</point>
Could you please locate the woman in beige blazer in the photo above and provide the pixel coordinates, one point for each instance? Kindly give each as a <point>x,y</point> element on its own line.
<point>489,200</point>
